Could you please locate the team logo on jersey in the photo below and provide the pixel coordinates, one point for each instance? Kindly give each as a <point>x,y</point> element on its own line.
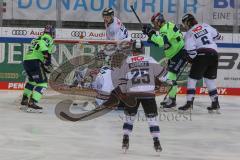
<point>19,32</point>
<point>137,58</point>
<point>197,29</point>
<point>200,33</point>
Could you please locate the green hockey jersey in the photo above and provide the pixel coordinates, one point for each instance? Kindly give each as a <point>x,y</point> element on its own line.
<point>170,38</point>
<point>38,47</point>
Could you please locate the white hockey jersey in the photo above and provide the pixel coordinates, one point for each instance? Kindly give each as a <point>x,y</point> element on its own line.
<point>103,84</point>
<point>116,30</point>
<point>103,81</point>
<point>137,75</point>
<point>201,36</point>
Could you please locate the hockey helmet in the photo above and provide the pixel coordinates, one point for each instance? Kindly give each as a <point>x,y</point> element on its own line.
<point>188,20</point>
<point>49,29</point>
<point>187,17</point>
<point>158,17</point>
<point>108,12</point>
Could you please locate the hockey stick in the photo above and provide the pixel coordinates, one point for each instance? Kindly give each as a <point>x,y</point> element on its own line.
<point>132,8</point>
<point>175,83</point>
<point>97,112</point>
<point>62,110</point>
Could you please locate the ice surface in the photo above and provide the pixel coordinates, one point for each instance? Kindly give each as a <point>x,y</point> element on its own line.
<point>201,136</point>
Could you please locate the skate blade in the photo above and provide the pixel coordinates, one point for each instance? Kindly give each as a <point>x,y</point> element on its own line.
<point>125,149</point>
<point>172,109</point>
<point>158,150</point>
<point>31,110</point>
<point>23,108</point>
<point>214,111</point>
<point>185,112</point>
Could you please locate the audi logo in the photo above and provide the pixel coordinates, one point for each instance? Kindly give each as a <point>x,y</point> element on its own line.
<point>138,35</point>
<point>78,34</point>
<point>19,32</point>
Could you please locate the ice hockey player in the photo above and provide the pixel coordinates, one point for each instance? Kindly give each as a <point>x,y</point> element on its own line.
<point>172,41</point>
<point>103,83</point>
<point>202,50</point>
<point>115,30</point>
<point>137,79</point>
<point>37,63</point>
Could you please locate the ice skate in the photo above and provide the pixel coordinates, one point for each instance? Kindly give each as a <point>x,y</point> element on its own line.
<point>125,143</point>
<point>186,108</point>
<point>164,102</point>
<point>33,108</point>
<point>157,145</point>
<point>169,105</point>
<point>24,102</point>
<point>214,108</point>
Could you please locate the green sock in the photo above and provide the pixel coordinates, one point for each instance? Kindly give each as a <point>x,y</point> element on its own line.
<point>173,92</point>
<point>28,89</point>
<point>38,91</point>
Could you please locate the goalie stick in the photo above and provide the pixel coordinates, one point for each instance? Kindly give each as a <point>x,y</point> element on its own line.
<point>97,112</point>
<point>62,110</point>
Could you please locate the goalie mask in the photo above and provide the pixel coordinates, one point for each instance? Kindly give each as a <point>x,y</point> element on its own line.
<point>49,29</point>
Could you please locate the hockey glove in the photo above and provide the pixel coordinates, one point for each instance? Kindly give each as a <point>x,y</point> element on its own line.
<point>166,81</point>
<point>148,30</point>
<point>47,58</point>
<point>128,100</point>
<point>47,66</point>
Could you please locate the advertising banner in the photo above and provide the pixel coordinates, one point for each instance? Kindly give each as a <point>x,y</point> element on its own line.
<point>14,42</point>
<point>225,12</point>
<point>229,67</point>
<point>217,12</point>
<point>88,34</point>
<point>11,70</point>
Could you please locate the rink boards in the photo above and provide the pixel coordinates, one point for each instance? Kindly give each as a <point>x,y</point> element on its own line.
<point>15,41</point>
